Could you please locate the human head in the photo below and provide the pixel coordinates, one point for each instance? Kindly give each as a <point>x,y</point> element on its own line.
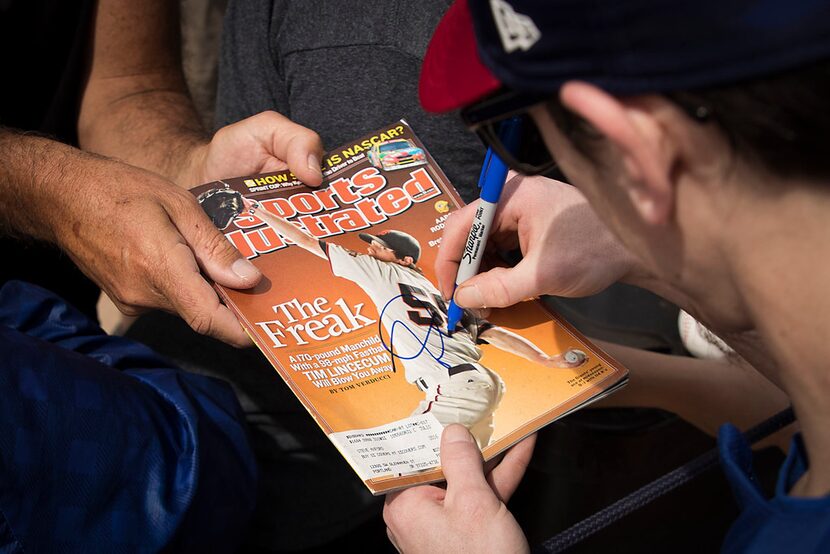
<point>638,99</point>
<point>393,246</point>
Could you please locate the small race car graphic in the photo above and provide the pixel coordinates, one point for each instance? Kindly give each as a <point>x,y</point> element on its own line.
<point>396,154</point>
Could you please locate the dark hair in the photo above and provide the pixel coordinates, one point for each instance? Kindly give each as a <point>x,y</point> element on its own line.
<point>780,122</point>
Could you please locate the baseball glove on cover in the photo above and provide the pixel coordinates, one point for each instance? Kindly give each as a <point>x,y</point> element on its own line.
<point>221,206</point>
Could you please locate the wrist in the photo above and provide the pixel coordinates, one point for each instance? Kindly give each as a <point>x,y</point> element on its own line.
<point>192,172</point>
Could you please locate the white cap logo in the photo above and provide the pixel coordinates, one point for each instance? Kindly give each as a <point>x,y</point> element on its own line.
<point>517,31</point>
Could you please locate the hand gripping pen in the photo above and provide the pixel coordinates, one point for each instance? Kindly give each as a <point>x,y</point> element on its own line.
<point>491,182</point>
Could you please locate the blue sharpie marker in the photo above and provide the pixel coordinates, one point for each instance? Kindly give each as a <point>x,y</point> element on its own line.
<point>491,182</point>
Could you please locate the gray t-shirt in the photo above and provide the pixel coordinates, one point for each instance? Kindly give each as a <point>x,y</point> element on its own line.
<point>341,68</point>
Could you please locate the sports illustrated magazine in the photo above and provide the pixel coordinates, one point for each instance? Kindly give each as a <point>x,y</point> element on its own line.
<point>350,316</point>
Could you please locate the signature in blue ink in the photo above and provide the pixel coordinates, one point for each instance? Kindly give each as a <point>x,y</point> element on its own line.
<point>421,329</point>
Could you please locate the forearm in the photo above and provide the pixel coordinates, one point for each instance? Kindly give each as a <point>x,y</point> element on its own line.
<point>34,172</point>
<point>154,129</point>
<point>136,106</point>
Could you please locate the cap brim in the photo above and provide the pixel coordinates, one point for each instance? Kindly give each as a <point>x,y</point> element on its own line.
<point>366,237</point>
<point>452,75</point>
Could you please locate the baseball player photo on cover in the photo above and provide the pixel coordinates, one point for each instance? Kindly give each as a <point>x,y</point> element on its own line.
<point>350,317</point>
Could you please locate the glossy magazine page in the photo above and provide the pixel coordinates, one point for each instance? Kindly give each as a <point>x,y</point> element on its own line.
<point>350,316</point>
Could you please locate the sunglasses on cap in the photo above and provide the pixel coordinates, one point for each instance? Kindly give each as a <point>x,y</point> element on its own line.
<point>531,156</point>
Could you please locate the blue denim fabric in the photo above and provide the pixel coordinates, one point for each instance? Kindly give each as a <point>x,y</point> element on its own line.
<point>105,447</point>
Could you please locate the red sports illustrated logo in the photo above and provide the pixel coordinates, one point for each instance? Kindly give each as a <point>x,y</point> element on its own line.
<point>368,202</point>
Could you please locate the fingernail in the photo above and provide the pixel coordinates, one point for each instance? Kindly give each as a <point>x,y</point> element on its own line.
<point>245,270</point>
<point>469,297</point>
<point>457,433</point>
<point>314,163</point>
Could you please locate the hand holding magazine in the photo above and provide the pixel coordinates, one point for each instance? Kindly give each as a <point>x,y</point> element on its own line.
<point>350,317</point>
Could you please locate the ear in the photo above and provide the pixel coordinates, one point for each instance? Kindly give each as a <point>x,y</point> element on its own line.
<point>407,261</point>
<point>632,125</point>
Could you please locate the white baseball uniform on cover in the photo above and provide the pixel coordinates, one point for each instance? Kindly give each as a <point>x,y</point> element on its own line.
<point>457,388</point>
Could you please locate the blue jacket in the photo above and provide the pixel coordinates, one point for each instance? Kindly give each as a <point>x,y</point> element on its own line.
<point>104,447</point>
<point>782,523</point>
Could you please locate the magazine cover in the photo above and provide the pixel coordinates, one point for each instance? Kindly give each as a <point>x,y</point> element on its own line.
<point>350,316</point>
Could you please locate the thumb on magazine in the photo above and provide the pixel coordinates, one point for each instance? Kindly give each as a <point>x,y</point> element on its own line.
<point>216,257</point>
<point>498,287</point>
<point>466,517</point>
<point>461,461</point>
<point>200,248</point>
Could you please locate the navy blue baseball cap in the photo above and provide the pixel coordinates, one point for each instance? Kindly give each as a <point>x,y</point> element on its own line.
<point>623,46</point>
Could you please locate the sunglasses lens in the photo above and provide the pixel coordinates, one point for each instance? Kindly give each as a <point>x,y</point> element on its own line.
<point>530,155</point>
<point>532,151</point>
